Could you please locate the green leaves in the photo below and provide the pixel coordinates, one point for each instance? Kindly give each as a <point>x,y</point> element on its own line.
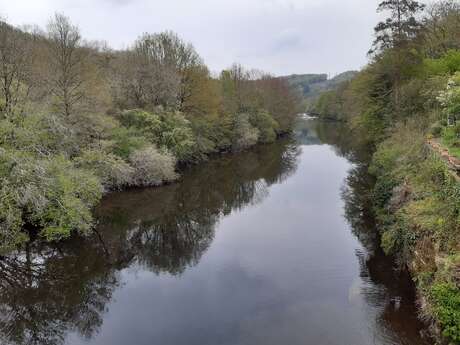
<point>446,300</point>
<point>51,194</point>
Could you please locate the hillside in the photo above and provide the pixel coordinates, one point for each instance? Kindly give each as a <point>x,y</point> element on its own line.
<point>310,86</point>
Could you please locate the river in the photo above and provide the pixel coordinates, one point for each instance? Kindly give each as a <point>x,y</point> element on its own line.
<point>271,246</point>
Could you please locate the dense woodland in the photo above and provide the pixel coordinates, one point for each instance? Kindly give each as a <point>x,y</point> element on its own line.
<point>78,119</point>
<point>408,94</point>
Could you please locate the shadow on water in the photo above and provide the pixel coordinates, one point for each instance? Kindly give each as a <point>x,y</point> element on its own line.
<point>49,291</point>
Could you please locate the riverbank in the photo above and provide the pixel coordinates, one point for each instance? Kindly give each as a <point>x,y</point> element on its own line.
<point>103,120</point>
<point>69,190</point>
<point>417,202</point>
<point>407,93</point>
<point>249,242</point>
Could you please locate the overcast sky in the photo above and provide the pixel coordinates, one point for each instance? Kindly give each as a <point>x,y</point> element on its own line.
<point>277,36</point>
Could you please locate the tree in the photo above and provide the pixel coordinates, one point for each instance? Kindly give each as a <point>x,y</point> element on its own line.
<point>201,96</point>
<point>234,88</point>
<point>394,38</point>
<point>399,27</point>
<point>442,28</point>
<point>15,69</point>
<point>158,70</point>
<point>66,57</point>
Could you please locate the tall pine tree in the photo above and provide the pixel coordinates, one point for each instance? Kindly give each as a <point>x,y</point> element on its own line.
<point>400,26</point>
<point>393,39</point>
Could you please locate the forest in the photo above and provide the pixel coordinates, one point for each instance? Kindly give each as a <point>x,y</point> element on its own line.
<point>79,119</point>
<point>405,99</point>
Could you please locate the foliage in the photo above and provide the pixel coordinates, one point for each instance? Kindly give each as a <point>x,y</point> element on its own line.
<point>448,64</point>
<point>410,91</point>
<point>151,167</point>
<point>450,97</point>
<point>126,141</point>
<point>446,300</point>
<point>113,172</point>
<point>265,124</point>
<point>401,24</point>
<point>244,134</point>
<point>78,119</point>
<point>48,193</point>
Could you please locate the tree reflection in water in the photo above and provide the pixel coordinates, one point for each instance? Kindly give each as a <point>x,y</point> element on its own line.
<point>47,291</point>
<point>385,286</point>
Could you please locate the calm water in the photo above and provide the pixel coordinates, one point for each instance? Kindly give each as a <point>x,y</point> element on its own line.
<point>272,246</point>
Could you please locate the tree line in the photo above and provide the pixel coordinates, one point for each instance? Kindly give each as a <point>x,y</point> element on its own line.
<point>406,97</point>
<point>78,119</point>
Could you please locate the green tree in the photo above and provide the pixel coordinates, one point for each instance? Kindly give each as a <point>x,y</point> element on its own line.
<point>400,26</point>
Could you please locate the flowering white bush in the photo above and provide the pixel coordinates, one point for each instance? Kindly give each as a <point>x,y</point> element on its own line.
<point>450,97</point>
<point>151,167</point>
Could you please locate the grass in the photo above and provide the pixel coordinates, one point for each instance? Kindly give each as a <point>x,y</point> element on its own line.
<point>451,141</point>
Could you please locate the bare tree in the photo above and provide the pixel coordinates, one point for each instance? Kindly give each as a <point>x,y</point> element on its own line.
<point>15,69</point>
<point>66,57</point>
<point>157,71</point>
<point>442,27</point>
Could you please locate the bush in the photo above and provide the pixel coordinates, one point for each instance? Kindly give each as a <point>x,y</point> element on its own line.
<point>113,171</point>
<point>152,168</point>
<point>447,64</point>
<point>170,130</point>
<point>140,119</point>
<point>207,137</point>
<point>127,140</point>
<point>446,302</point>
<point>266,125</point>
<point>457,130</point>
<point>48,193</point>
<point>436,130</point>
<point>10,217</point>
<point>39,134</point>
<point>177,136</point>
<point>245,135</point>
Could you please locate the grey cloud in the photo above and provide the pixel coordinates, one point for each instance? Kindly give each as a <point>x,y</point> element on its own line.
<point>287,39</point>
<point>278,36</point>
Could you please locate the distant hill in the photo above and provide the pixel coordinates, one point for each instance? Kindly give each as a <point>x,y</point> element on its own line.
<point>304,82</point>
<point>310,86</point>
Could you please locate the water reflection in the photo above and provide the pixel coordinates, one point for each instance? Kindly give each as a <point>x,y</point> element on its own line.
<point>47,291</point>
<point>286,271</point>
<point>385,285</point>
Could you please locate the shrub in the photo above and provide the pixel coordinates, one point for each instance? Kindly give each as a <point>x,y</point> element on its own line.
<point>266,125</point>
<point>152,168</point>
<point>68,194</point>
<point>127,140</point>
<point>170,130</point>
<point>245,135</point>
<point>457,130</point>
<point>447,64</point>
<point>177,136</point>
<point>436,129</point>
<point>113,171</point>
<point>140,119</point>
<point>10,217</point>
<point>39,134</point>
<point>48,193</point>
<point>446,303</point>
